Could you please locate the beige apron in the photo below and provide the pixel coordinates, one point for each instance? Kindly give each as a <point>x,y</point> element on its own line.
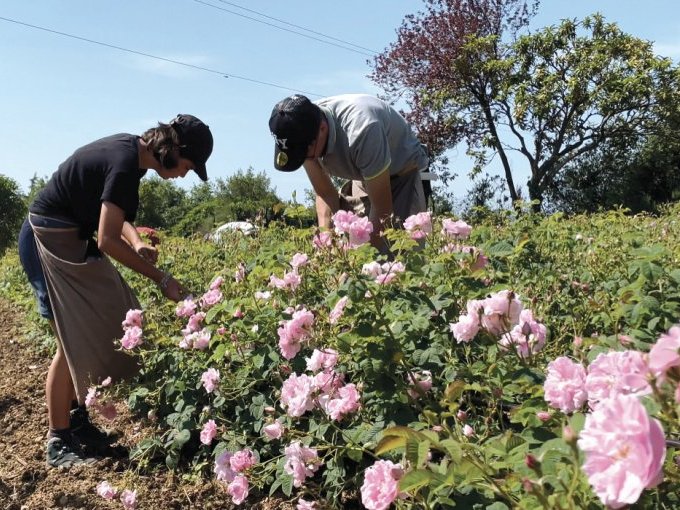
<point>89,300</point>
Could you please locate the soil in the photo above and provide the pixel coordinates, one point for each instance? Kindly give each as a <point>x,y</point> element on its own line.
<point>26,483</point>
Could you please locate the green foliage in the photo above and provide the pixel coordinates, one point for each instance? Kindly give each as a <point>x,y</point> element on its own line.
<point>162,203</point>
<point>246,196</point>
<point>13,212</point>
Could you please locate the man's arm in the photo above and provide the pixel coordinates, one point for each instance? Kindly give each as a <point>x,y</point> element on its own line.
<point>327,198</point>
<point>379,193</point>
<point>143,249</point>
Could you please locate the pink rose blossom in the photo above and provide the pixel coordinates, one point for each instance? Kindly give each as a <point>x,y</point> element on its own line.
<point>92,397</point>
<point>458,229</point>
<point>342,402</point>
<point>185,308</point>
<point>468,431</point>
<point>342,220</point>
<point>133,318</point>
<point>360,232</point>
<point>194,323</point>
<point>462,415</point>
<point>420,382</point>
<point>132,338</point>
<point>211,298</point>
<point>373,269</point>
<point>322,240</point>
<point>527,337</point>
<point>500,312</point>
<point>322,359</point>
<point>129,499</point>
<point>210,379</point>
<point>216,283</point>
<point>299,260</point>
<point>338,310</point>
<point>223,471</point>
<point>242,460</point>
<point>466,328</point>
<point>106,490</point>
<point>238,489</point>
<point>208,432</point>
<point>665,353</point>
<point>301,462</point>
<point>305,505</point>
<point>381,485</point>
<point>294,331</point>
<point>273,430</point>
<point>543,416</point>
<point>624,450</point>
<point>106,382</point>
<point>615,373</point>
<point>328,381</point>
<point>418,225</point>
<point>389,272</point>
<point>565,385</point>
<point>201,340</point>
<point>296,394</point>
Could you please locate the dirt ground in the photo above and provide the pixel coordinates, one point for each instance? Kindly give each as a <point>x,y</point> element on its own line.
<point>26,483</point>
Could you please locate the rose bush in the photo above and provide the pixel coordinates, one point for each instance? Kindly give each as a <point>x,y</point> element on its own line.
<point>476,375</point>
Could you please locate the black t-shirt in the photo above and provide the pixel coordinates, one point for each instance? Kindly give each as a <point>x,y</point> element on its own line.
<point>104,170</point>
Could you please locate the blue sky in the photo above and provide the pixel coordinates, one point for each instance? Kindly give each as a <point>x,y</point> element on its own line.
<point>59,93</point>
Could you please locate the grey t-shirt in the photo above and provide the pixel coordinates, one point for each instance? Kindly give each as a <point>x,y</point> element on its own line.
<point>367,136</point>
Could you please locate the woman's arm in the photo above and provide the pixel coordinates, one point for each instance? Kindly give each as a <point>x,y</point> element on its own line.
<point>110,241</point>
<point>142,248</point>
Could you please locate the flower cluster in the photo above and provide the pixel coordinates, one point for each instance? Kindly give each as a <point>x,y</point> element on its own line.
<point>383,273</point>
<point>503,315</point>
<point>132,327</point>
<point>419,225</point>
<point>230,468</point>
<point>294,331</point>
<point>358,229</point>
<point>128,498</point>
<point>325,389</point>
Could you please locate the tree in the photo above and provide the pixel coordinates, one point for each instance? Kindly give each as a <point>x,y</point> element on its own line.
<point>13,212</point>
<point>162,204</point>
<point>245,196</point>
<point>551,97</point>
<point>35,186</point>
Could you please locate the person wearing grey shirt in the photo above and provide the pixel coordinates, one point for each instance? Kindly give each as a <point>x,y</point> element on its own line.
<point>356,137</point>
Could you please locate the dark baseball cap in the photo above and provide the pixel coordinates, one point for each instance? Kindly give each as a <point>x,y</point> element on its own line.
<point>294,124</point>
<point>195,141</point>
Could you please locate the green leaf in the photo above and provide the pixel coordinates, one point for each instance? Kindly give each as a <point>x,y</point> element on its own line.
<point>414,480</point>
<point>389,443</point>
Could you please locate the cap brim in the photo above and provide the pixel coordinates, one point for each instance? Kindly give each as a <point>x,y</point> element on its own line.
<point>289,160</point>
<point>201,171</point>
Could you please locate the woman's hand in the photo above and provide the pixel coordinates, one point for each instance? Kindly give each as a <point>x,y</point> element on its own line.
<point>172,289</point>
<point>147,252</point>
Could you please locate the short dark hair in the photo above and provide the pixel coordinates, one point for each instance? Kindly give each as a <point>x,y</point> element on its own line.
<point>163,142</point>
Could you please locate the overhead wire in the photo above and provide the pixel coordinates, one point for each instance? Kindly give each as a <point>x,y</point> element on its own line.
<point>366,54</point>
<point>297,26</point>
<point>224,74</point>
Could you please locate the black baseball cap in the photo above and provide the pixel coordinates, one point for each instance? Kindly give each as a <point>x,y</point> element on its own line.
<point>294,124</point>
<point>195,141</point>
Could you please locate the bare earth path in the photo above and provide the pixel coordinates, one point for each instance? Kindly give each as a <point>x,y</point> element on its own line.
<point>27,483</point>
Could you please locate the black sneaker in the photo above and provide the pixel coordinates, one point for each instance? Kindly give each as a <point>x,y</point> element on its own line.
<point>65,454</point>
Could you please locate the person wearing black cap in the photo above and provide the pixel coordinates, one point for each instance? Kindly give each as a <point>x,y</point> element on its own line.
<point>356,137</point>
<point>77,287</point>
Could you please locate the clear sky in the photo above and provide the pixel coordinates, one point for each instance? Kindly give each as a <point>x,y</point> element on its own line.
<point>58,93</point>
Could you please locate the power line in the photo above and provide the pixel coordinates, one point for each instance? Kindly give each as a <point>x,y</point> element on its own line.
<point>224,74</point>
<point>297,26</point>
<point>285,29</point>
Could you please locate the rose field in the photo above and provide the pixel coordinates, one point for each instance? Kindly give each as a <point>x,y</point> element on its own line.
<point>515,361</point>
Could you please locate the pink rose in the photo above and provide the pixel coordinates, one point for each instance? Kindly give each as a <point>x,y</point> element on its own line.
<point>565,385</point>
<point>133,318</point>
<point>106,490</point>
<point>242,460</point>
<point>301,462</point>
<point>296,394</point>
<point>381,485</point>
<point>624,450</point>
<point>210,379</point>
<point>616,373</point>
<point>238,489</point>
<point>458,229</point>
<point>665,353</point>
<point>273,430</point>
<point>129,499</point>
<point>208,432</point>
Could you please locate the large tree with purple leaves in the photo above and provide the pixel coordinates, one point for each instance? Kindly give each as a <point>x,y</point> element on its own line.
<point>469,75</point>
